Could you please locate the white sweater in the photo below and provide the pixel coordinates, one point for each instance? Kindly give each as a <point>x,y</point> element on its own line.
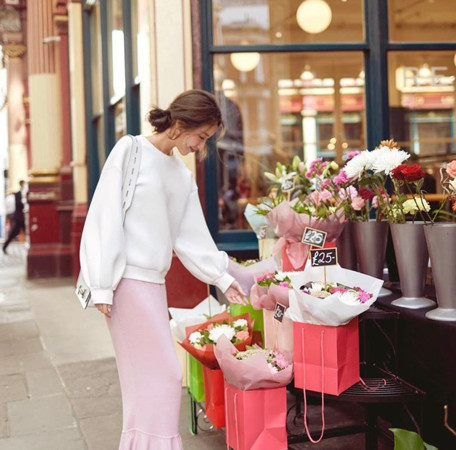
<point>165,215</point>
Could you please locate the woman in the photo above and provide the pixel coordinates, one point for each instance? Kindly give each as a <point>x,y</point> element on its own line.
<point>126,263</point>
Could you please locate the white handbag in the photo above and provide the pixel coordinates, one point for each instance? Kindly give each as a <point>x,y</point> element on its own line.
<point>130,175</point>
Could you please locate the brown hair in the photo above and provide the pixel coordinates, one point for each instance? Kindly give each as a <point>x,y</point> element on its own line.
<point>193,108</point>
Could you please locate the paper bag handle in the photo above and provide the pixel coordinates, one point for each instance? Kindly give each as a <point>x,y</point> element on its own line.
<point>314,441</point>
<point>236,428</point>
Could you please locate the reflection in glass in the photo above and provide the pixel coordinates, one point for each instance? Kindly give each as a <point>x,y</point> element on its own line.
<point>306,104</point>
<point>287,21</point>
<point>422,20</point>
<point>116,45</point>
<point>422,105</point>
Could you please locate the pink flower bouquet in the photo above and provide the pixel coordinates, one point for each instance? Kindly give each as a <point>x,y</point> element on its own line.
<point>201,339</point>
<point>270,288</point>
<point>335,301</point>
<point>289,225</point>
<point>255,368</point>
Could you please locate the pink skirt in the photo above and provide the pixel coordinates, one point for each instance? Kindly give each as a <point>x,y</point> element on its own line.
<point>149,371</point>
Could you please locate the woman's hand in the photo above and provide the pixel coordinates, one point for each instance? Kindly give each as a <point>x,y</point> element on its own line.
<point>104,308</point>
<point>235,294</point>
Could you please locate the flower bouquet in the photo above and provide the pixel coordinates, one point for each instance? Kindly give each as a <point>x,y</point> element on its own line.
<point>270,288</point>
<point>201,338</point>
<point>254,368</point>
<point>255,395</point>
<point>289,220</point>
<point>347,294</point>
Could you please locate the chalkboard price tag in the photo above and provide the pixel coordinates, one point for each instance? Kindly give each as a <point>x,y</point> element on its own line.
<point>279,312</point>
<point>323,257</point>
<point>316,238</point>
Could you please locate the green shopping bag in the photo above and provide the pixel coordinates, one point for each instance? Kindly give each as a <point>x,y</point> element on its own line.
<point>256,314</point>
<point>195,378</point>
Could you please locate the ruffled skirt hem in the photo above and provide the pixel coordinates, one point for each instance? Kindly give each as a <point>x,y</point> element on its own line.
<point>138,440</point>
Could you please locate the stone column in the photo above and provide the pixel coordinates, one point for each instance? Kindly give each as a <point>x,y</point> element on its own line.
<point>78,137</point>
<point>14,51</point>
<point>50,253</point>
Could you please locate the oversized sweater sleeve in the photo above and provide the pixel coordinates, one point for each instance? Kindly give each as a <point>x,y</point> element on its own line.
<point>102,251</point>
<point>196,249</point>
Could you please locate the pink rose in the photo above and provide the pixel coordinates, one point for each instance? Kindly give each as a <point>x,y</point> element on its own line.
<point>210,326</point>
<point>242,335</point>
<point>451,169</point>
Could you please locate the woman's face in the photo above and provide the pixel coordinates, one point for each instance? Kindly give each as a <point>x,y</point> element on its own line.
<point>193,141</point>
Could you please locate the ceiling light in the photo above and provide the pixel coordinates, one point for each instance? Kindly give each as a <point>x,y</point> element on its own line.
<point>314,16</point>
<point>245,62</point>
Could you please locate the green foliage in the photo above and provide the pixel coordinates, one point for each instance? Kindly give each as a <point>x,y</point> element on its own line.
<point>409,440</point>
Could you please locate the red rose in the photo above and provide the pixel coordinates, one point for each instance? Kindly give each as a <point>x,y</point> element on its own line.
<point>365,194</point>
<point>413,173</point>
<point>397,172</point>
<point>408,173</point>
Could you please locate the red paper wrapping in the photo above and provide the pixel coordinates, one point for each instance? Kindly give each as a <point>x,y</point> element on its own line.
<point>214,402</point>
<point>206,356</point>
<point>328,352</point>
<point>256,419</point>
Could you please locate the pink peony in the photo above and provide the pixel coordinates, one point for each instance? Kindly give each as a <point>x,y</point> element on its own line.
<point>451,169</point>
<point>357,203</point>
<point>242,335</point>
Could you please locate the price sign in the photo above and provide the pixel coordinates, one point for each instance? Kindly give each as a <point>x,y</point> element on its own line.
<point>279,312</point>
<point>314,237</point>
<point>262,232</point>
<point>323,257</point>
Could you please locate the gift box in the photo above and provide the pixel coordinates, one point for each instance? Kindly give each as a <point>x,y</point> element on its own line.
<point>195,378</point>
<point>256,315</point>
<point>326,358</point>
<point>214,404</point>
<point>256,419</point>
<point>277,335</point>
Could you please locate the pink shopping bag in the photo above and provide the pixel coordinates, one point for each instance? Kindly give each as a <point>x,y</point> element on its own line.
<point>256,419</point>
<point>326,359</point>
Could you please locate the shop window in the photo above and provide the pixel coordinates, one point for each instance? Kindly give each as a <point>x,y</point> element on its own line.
<point>287,21</point>
<point>422,20</point>
<point>306,104</point>
<point>422,102</point>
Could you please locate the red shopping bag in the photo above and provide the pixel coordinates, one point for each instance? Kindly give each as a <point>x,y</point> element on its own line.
<point>326,359</point>
<point>256,419</point>
<point>214,403</point>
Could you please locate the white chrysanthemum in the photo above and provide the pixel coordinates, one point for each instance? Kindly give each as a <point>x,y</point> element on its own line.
<point>240,323</point>
<point>280,276</point>
<point>223,329</point>
<point>388,159</point>
<point>412,206</point>
<point>360,163</point>
<point>195,337</point>
<point>317,287</point>
<point>349,297</point>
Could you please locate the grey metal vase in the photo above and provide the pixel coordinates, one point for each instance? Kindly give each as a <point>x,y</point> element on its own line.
<point>441,242</point>
<point>346,254</point>
<point>370,244</point>
<point>412,261</point>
